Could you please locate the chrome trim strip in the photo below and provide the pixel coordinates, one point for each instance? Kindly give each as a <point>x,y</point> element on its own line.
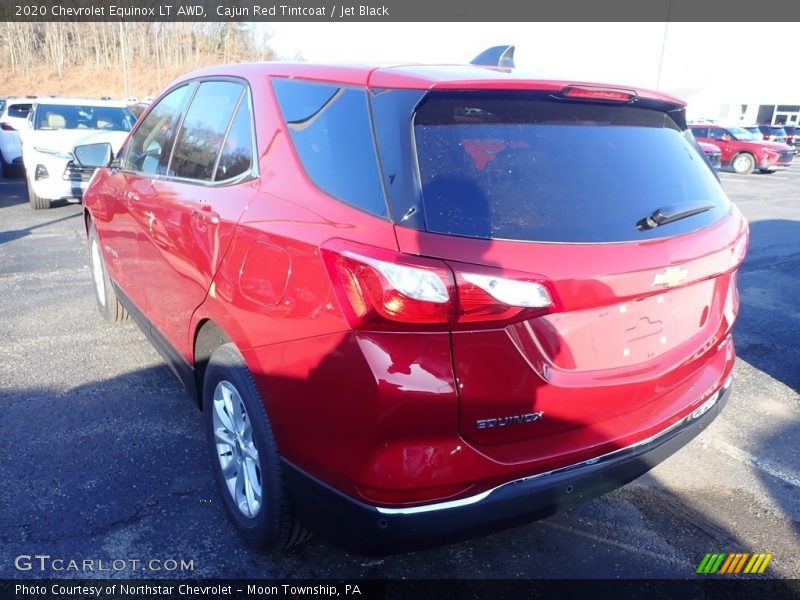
<point>699,411</point>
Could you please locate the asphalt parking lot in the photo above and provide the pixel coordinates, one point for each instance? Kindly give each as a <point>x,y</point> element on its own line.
<point>104,456</point>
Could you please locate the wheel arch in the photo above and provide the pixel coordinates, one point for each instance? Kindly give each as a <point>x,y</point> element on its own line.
<point>208,337</point>
<point>87,220</point>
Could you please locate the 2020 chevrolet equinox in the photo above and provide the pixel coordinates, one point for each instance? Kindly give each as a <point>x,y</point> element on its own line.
<point>417,303</point>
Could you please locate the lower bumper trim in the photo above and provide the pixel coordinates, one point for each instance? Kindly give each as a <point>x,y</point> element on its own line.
<point>367,529</point>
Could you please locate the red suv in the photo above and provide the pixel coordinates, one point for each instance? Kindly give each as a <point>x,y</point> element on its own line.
<point>417,303</point>
<point>743,150</point>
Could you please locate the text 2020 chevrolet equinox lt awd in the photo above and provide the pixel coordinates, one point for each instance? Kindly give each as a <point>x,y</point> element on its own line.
<point>419,302</point>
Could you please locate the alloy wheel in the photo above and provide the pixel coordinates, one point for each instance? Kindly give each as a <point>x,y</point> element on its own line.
<point>236,452</point>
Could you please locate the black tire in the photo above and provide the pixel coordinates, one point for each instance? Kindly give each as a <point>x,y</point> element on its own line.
<point>766,171</point>
<point>37,203</point>
<point>274,526</point>
<point>108,304</point>
<point>743,163</point>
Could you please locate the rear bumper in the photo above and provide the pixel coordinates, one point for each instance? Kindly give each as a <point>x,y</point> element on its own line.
<point>357,526</point>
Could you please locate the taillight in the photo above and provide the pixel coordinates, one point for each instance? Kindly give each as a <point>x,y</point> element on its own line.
<point>599,93</point>
<point>493,298</point>
<point>382,289</point>
<point>739,251</point>
<point>7,127</point>
<point>378,287</point>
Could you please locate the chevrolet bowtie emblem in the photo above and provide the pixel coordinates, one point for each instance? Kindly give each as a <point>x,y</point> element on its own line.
<point>671,276</point>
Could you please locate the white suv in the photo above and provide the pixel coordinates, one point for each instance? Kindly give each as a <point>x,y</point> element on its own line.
<point>13,120</point>
<point>57,125</point>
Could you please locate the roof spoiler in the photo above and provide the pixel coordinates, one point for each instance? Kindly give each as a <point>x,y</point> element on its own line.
<point>496,56</point>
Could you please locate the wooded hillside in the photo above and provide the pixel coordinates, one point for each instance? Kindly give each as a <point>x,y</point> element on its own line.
<point>117,59</point>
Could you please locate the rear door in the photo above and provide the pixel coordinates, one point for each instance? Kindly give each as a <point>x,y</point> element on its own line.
<point>570,194</point>
<point>188,215</point>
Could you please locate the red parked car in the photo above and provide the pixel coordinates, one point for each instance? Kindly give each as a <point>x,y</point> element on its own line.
<point>419,303</point>
<point>743,150</point>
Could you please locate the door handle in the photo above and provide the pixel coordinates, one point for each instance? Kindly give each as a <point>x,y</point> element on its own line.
<point>205,216</point>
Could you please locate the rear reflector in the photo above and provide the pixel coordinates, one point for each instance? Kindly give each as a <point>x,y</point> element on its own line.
<point>411,496</point>
<point>592,93</point>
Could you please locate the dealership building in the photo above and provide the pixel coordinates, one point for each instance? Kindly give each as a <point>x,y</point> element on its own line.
<point>733,108</point>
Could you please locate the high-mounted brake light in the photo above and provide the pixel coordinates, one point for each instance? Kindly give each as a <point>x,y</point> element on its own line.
<point>596,93</point>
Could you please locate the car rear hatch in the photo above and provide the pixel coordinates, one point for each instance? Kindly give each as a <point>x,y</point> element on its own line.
<point>594,257</point>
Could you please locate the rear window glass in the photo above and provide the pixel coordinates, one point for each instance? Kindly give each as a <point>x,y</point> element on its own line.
<point>330,129</point>
<point>19,111</point>
<point>518,168</point>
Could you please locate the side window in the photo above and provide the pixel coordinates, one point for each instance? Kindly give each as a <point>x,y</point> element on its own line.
<point>700,132</point>
<point>149,149</point>
<point>20,111</point>
<point>330,129</point>
<point>200,138</point>
<point>715,134</point>
<point>237,153</point>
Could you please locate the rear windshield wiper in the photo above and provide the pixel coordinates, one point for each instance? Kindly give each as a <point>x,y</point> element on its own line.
<point>668,214</point>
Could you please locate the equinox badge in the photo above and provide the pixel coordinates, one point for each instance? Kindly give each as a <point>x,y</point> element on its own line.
<point>512,420</point>
<point>671,276</point>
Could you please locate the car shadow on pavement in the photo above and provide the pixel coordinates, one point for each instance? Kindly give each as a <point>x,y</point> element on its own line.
<point>120,468</point>
<point>12,191</point>
<point>782,483</point>
<point>15,234</point>
<point>769,280</point>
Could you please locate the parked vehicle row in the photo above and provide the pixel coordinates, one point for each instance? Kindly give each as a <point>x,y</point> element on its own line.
<point>13,121</point>
<point>744,150</point>
<point>38,135</point>
<point>417,303</point>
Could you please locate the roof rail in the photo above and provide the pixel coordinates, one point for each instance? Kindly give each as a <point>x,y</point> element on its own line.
<point>496,56</point>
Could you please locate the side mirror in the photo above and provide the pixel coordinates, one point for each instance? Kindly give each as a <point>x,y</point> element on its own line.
<point>93,155</point>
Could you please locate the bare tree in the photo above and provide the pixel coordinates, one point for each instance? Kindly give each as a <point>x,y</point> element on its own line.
<point>155,52</point>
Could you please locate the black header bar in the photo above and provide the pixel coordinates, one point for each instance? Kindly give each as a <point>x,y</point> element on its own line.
<point>708,588</point>
<point>400,10</point>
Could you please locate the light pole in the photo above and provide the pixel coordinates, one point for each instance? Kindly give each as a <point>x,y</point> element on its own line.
<point>124,51</point>
<point>663,45</point>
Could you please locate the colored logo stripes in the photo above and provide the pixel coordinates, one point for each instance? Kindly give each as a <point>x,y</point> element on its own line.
<point>728,564</point>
